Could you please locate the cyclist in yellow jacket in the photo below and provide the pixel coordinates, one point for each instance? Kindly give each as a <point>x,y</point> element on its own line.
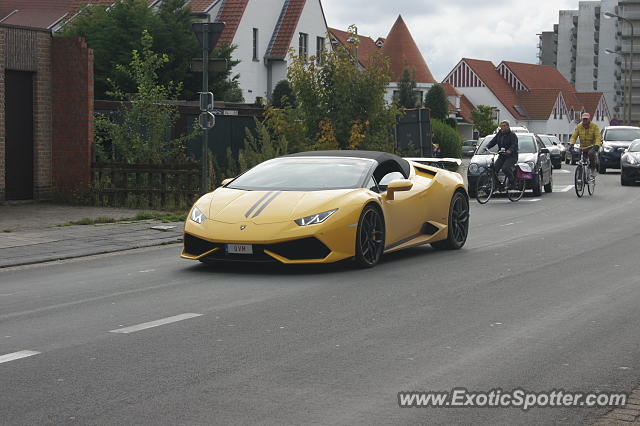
<point>590,140</point>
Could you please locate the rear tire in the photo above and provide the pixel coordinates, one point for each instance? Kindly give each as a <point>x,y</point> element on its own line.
<point>515,192</point>
<point>602,170</point>
<point>458,224</point>
<point>623,181</point>
<point>370,237</point>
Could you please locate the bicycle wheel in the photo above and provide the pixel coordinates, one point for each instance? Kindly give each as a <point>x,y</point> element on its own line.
<point>516,191</point>
<point>591,181</point>
<point>579,180</point>
<point>484,188</point>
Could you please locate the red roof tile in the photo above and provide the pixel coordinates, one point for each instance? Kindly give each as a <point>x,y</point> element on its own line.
<point>366,46</point>
<point>590,101</point>
<point>538,103</point>
<point>230,13</point>
<point>201,5</point>
<point>285,28</point>
<point>544,77</point>
<point>401,49</point>
<point>466,108</point>
<point>486,71</point>
<point>35,18</point>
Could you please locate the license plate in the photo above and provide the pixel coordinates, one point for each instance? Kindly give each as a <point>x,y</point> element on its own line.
<point>239,249</point>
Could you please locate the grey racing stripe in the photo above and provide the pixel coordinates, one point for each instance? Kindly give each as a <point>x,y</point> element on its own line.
<point>266,203</point>
<point>257,203</point>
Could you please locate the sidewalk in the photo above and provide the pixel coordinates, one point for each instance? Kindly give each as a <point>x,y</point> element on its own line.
<point>30,232</point>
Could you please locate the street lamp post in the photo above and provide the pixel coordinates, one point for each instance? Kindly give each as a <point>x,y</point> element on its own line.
<point>626,76</point>
<point>613,15</point>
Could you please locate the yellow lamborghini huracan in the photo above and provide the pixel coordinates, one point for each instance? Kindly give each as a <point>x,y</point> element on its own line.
<point>326,206</point>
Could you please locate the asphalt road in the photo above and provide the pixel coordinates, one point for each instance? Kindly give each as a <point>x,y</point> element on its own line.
<point>545,295</point>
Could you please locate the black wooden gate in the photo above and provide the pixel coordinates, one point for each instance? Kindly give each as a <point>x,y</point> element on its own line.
<point>18,135</point>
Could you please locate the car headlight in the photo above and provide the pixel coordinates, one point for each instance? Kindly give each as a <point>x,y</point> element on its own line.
<point>473,168</point>
<point>531,164</point>
<point>197,216</point>
<point>628,159</point>
<point>608,148</point>
<point>315,218</point>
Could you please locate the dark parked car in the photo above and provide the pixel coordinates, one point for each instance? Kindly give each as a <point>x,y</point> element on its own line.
<point>469,147</point>
<point>615,140</point>
<point>555,150</point>
<point>630,164</point>
<point>531,150</point>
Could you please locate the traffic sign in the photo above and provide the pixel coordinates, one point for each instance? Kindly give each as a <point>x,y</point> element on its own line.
<point>206,120</point>
<point>214,30</point>
<point>206,101</point>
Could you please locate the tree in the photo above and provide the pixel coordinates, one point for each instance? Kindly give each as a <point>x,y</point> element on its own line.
<point>114,32</point>
<point>141,131</point>
<point>339,105</point>
<point>407,96</point>
<point>482,117</point>
<point>283,89</point>
<point>446,138</point>
<point>436,100</point>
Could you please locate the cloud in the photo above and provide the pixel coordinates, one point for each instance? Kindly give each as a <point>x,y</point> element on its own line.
<point>449,30</point>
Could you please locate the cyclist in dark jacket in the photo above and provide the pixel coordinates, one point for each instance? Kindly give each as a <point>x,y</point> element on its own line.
<point>508,140</point>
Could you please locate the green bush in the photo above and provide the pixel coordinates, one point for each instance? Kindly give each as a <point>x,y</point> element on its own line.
<point>447,138</point>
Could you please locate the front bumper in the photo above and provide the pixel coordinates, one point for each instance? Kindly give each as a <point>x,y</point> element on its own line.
<point>610,160</point>
<point>282,242</point>
<point>630,173</point>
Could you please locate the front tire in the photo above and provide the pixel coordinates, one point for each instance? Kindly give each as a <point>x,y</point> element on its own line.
<point>370,237</point>
<point>484,188</point>
<point>579,181</point>
<point>548,188</point>
<point>537,184</point>
<point>458,224</point>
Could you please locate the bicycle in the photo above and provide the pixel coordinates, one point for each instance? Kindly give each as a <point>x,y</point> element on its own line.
<point>488,180</point>
<point>584,174</point>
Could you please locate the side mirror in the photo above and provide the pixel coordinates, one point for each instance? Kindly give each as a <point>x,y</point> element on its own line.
<point>398,186</point>
<point>226,181</point>
<point>544,150</point>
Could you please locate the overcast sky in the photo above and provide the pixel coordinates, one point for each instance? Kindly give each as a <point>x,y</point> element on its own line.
<point>448,30</point>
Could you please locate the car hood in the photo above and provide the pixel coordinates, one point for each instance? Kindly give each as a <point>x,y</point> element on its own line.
<point>635,155</point>
<point>618,144</point>
<point>484,160</point>
<point>262,207</point>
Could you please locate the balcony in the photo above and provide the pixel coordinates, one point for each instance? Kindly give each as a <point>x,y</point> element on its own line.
<point>595,85</point>
<point>595,61</point>
<point>596,36</point>
<point>618,60</point>
<point>575,20</point>
<point>596,48</point>
<point>595,73</point>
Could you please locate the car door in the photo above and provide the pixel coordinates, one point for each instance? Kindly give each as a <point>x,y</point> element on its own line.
<point>403,218</point>
<point>544,159</point>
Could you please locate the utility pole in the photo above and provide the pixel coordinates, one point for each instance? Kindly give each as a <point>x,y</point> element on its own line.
<point>208,34</point>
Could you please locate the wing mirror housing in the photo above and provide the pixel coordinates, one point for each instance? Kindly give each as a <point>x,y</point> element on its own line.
<point>226,181</point>
<point>398,186</point>
<point>544,150</point>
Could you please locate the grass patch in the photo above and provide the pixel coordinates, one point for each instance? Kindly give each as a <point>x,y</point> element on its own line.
<point>7,230</point>
<point>163,217</point>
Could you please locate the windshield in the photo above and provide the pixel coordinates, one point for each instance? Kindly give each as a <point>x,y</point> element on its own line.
<point>635,146</point>
<point>526,144</point>
<point>304,174</point>
<point>546,141</point>
<point>621,134</point>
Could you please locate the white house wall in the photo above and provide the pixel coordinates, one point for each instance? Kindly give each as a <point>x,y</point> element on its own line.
<point>484,96</point>
<point>263,15</point>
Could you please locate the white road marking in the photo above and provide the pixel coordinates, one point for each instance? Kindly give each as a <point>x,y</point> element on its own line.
<point>508,224</point>
<point>151,324</point>
<point>528,200</point>
<point>564,188</point>
<point>17,355</point>
<point>562,171</point>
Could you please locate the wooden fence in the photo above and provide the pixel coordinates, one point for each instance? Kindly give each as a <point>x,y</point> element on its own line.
<point>163,187</point>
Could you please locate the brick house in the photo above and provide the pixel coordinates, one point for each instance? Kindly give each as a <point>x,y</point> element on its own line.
<point>46,103</point>
<point>534,96</point>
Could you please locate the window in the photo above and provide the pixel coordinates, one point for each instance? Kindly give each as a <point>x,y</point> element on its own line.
<point>255,44</point>
<point>320,50</point>
<point>303,45</point>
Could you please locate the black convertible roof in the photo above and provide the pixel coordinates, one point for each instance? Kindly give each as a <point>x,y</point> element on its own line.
<point>380,157</point>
